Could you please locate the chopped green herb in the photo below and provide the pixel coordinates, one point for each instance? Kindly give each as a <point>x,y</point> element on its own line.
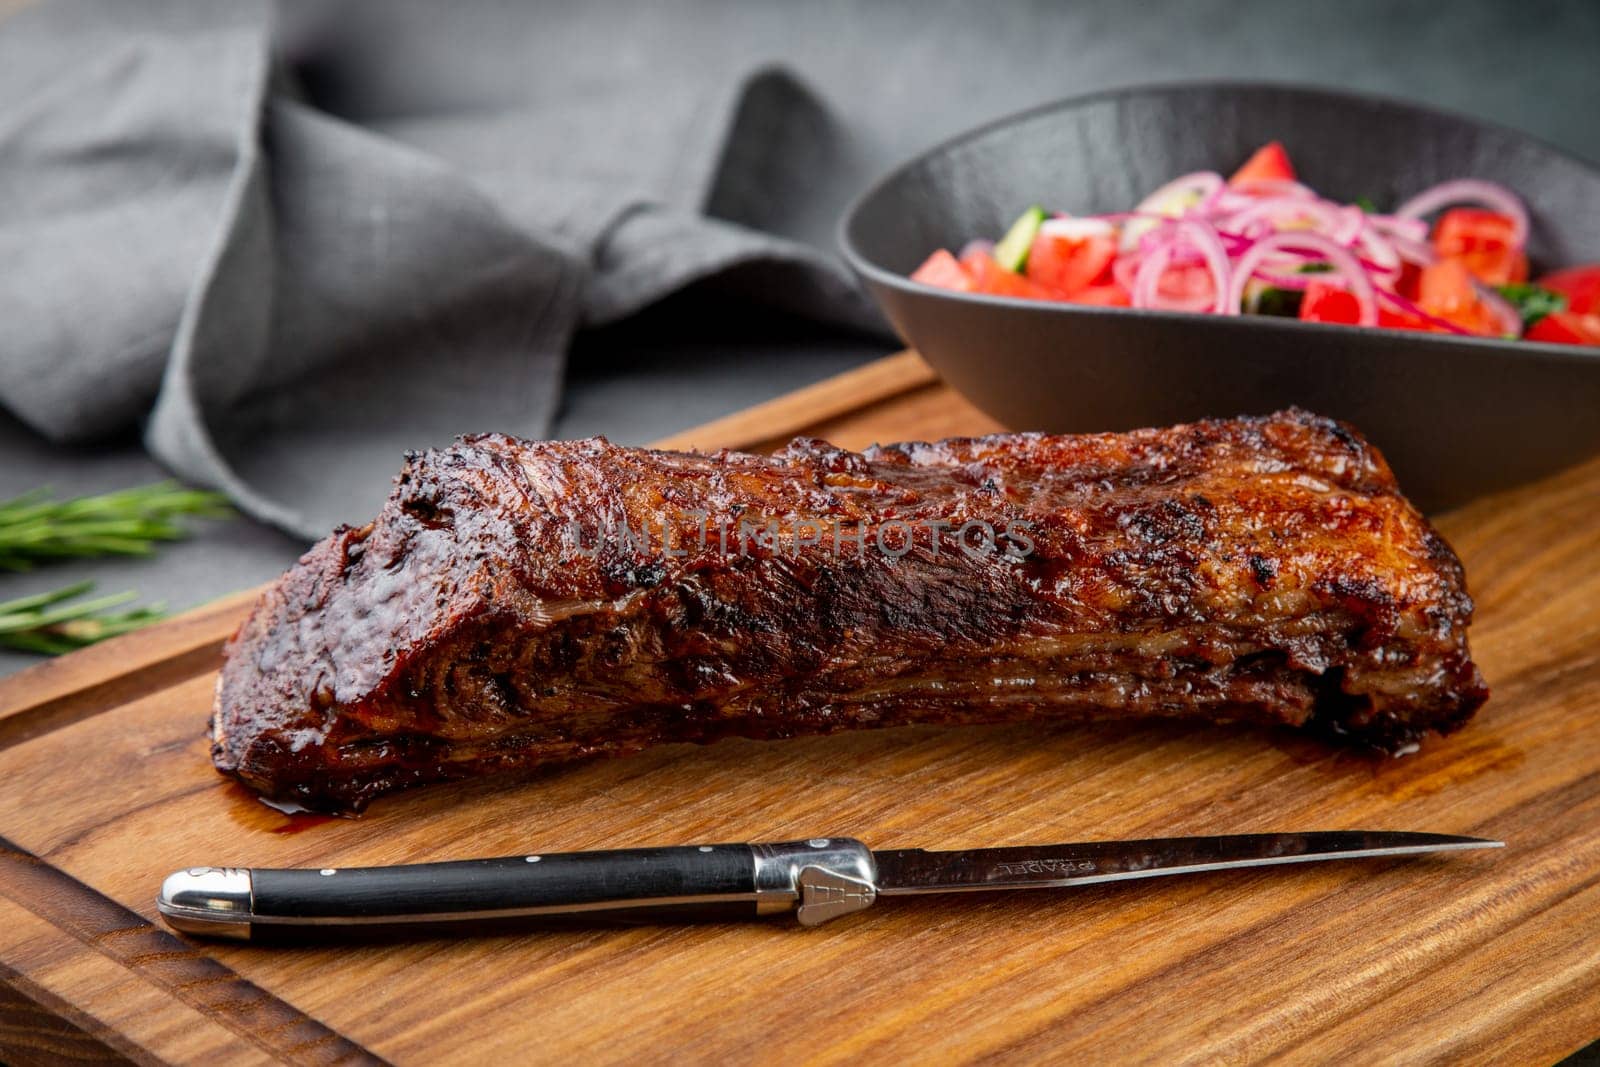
<point>1365,204</point>
<point>1315,268</point>
<point>1533,302</point>
<point>1012,250</point>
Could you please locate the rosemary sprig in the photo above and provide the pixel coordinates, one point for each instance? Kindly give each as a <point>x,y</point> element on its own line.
<point>34,527</point>
<point>45,623</point>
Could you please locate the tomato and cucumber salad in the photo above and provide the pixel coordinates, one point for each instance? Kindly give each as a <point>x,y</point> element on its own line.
<point>1451,259</point>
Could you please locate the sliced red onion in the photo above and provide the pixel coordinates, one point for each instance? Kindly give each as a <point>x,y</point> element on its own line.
<point>1280,280</point>
<point>1207,207</point>
<point>1232,199</point>
<point>1352,220</point>
<point>1202,185</point>
<point>1151,296</point>
<point>1335,254</point>
<point>1142,293</point>
<point>1145,291</point>
<point>1277,211</point>
<point>1418,252</point>
<point>1232,244</point>
<point>1201,236</point>
<point>1414,229</point>
<point>1203,182</point>
<point>1159,234</point>
<point>1228,203</point>
<point>1380,255</point>
<point>1471,190</point>
<point>1235,243</point>
<point>1123,270</point>
<point>1377,271</point>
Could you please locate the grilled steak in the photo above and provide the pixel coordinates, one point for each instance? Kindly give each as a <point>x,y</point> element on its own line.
<point>518,603</point>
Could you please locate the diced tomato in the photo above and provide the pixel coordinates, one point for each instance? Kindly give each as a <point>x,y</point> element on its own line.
<point>1581,285</point>
<point>990,277</point>
<point>1395,319</point>
<point>1566,328</point>
<point>1110,295</point>
<point>943,271</point>
<point>1270,163</point>
<point>1067,264</point>
<point>1446,290</point>
<point>1190,282</point>
<point>1445,285</point>
<point>1482,241</point>
<point>1324,302</point>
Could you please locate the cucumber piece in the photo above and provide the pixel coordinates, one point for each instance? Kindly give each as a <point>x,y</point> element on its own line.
<point>1012,250</point>
<point>1280,303</point>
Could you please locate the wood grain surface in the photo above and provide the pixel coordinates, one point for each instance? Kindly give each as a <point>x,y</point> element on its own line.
<point>105,786</point>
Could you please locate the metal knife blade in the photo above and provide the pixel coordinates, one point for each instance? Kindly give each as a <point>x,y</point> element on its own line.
<point>915,870</point>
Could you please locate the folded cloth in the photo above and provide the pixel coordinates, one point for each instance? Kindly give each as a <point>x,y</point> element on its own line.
<point>286,300</point>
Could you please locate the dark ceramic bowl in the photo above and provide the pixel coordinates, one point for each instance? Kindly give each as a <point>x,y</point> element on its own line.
<point>1456,416</point>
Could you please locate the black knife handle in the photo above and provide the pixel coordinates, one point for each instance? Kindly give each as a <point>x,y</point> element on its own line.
<point>815,879</point>
<point>562,883</point>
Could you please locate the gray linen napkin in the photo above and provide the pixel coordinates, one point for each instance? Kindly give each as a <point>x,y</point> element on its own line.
<point>285,301</point>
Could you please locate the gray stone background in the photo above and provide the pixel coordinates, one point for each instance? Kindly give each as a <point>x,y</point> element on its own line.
<point>895,77</point>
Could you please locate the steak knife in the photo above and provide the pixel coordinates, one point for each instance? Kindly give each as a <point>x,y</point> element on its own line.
<point>813,881</point>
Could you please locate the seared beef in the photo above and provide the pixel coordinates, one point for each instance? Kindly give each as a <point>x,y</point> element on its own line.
<point>519,603</point>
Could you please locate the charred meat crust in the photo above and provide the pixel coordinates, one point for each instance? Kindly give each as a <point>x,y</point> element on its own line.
<point>519,603</point>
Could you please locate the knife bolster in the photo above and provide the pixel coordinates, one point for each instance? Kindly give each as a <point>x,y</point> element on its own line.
<point>214,901</point>
<point>815,880</point>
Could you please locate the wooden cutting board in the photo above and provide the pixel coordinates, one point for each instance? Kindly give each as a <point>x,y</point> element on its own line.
<point>105,786</point>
